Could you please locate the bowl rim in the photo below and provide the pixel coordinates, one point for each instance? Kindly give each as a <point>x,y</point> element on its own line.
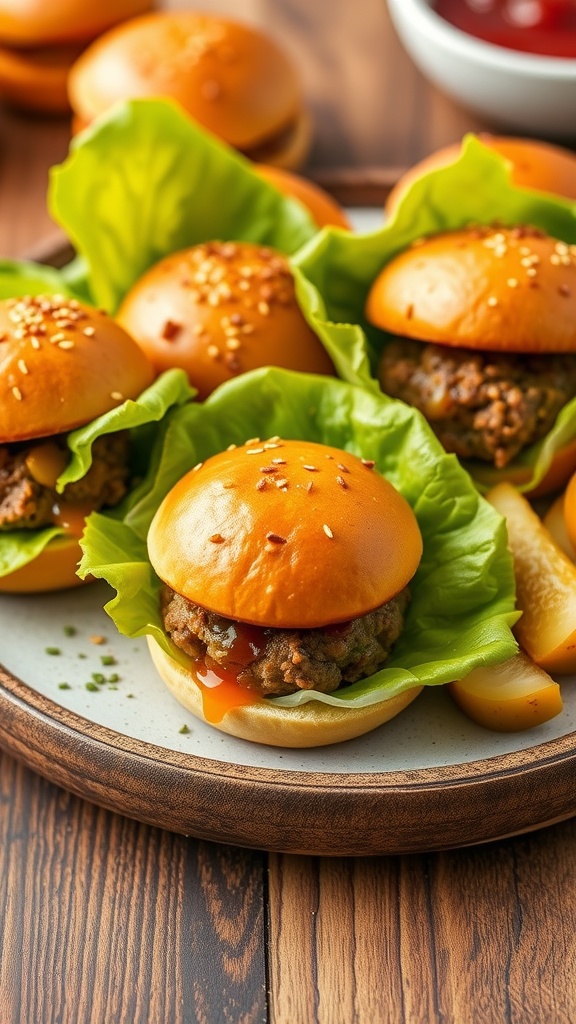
<point>422,14</point>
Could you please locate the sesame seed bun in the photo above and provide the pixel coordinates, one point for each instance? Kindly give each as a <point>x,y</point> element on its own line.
<point>285,534</point>
<point>535,164</point>
<point>494,289</point>
<point>26,23</point>
<point>219,309</point>
<point>309,725</point>
<point>230,77</point>
<point>323,208</point>
<point>53,569</point>
<point>62,364</point>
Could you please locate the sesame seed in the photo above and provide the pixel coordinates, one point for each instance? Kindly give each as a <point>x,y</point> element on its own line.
<point>35,343</point>
<point>231,447</point>
<point>89,331</point>
<point>278,462</point>
<point>368,463</point>
<point>57,338</point>
<point>311,469</point>
<point>254,451</point>
<point>340,480</point>
<point>263,308</point>
<point>67,343</point>
<point>217,538</point>
<point>233,344</point>
<point>17,393</point>
<point>343,468</point>
<point>197,467</point>
<point>275,538</point>
<point>281,483</point>
<point>22,366</point>
<point>310,486</point>
<point>328,531</point>
<point>117,396</point>
<point>492,301</point>
<point>252,440</point>
<point>512,282</point>
<point>531,272</point>
<point>262,484</point>
<point>213,351</point>
<point>268,469</point>
<point>555,259</point>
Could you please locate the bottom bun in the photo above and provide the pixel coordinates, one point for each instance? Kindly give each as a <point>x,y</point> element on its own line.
<point>288,150</point>
<point>560,470</point>
<point>53,569</point>
<point>36,80</point>
<point>313,724</point>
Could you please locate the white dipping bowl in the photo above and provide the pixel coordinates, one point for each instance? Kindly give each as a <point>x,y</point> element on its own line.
<point>523,91</point>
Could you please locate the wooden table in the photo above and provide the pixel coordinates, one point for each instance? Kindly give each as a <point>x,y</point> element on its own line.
<point>107,921</point>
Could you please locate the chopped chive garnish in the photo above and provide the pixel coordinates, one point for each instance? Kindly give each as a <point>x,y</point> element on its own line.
<point>99,677</point>
<point>92,687</point>
<point>64,686</point>
<point>108,659</point>
<point>114,678</point>
<point>184,730</point>
<point>69,630</point>
<point>52,650</point>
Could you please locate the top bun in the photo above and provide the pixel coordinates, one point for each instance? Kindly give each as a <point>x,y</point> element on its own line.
<point>488,288</point>
<point>285,534</point>
<point>61,365</point>
<point>219,309</point>
<point>42,22</point>
<point>535,164</point>
<point>229,76</point>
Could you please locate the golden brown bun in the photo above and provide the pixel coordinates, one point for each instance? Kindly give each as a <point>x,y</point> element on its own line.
<point>219,309</point>
<point>310,725</point>
<point>323,208</point>
<point>495,289</point>
<point>37,79</point>
<point>53,569</point>
<point>537,165</point>
<point>288,149</point>
<point>39,22</point>
<point>286,534</point>
<point>227,75</point>
<point>61,365</point>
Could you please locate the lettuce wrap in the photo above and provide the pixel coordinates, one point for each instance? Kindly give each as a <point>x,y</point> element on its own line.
<point>334,272</point>
<point>463,594</point>
<point>143,182</point>
<point>18,547</point>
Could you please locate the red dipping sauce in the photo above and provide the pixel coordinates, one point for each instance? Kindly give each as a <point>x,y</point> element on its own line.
<point>546,27</point>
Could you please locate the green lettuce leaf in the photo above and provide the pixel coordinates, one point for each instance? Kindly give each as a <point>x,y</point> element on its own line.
<point>144,182</point>
<point>335,270</point>
<point>18,547</point>
<point>21,277</point>
<point>463,593</point>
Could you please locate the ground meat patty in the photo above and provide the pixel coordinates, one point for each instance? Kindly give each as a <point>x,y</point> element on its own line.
<point>26,504</point>
<point>287,660</point>
<point>481,405</point>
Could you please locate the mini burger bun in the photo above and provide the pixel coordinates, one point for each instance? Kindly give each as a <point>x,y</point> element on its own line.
<point>314,724</point>
<point>535,164</point>
<point>37,79</point>
<point>323,208</point>
<point>43,22</point>
<point>53,569</point>
<point>62,364</point>
<point>285,534</point>
<point>227,75</point>
<point>489,288</point>
<point>219,309</point>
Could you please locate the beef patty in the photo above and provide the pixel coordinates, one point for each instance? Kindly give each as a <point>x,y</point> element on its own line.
<point>481,405</point>
<point>276,662</point>
<point>26,504</point>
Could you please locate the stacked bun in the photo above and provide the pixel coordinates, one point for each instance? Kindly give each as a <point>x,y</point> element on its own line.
<point>41,39</point>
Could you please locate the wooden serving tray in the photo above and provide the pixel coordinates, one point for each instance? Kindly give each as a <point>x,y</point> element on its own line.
<point>428,780</point>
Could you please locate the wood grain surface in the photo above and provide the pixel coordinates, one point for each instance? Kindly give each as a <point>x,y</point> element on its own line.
<point>105,921</point>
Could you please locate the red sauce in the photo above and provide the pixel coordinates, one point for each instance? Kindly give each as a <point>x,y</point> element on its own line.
<point>547,27</point>
<point>220,691</point>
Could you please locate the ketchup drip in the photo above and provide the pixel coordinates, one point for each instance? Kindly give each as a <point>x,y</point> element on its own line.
<point>218,683</point>
<point>546,27</point>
